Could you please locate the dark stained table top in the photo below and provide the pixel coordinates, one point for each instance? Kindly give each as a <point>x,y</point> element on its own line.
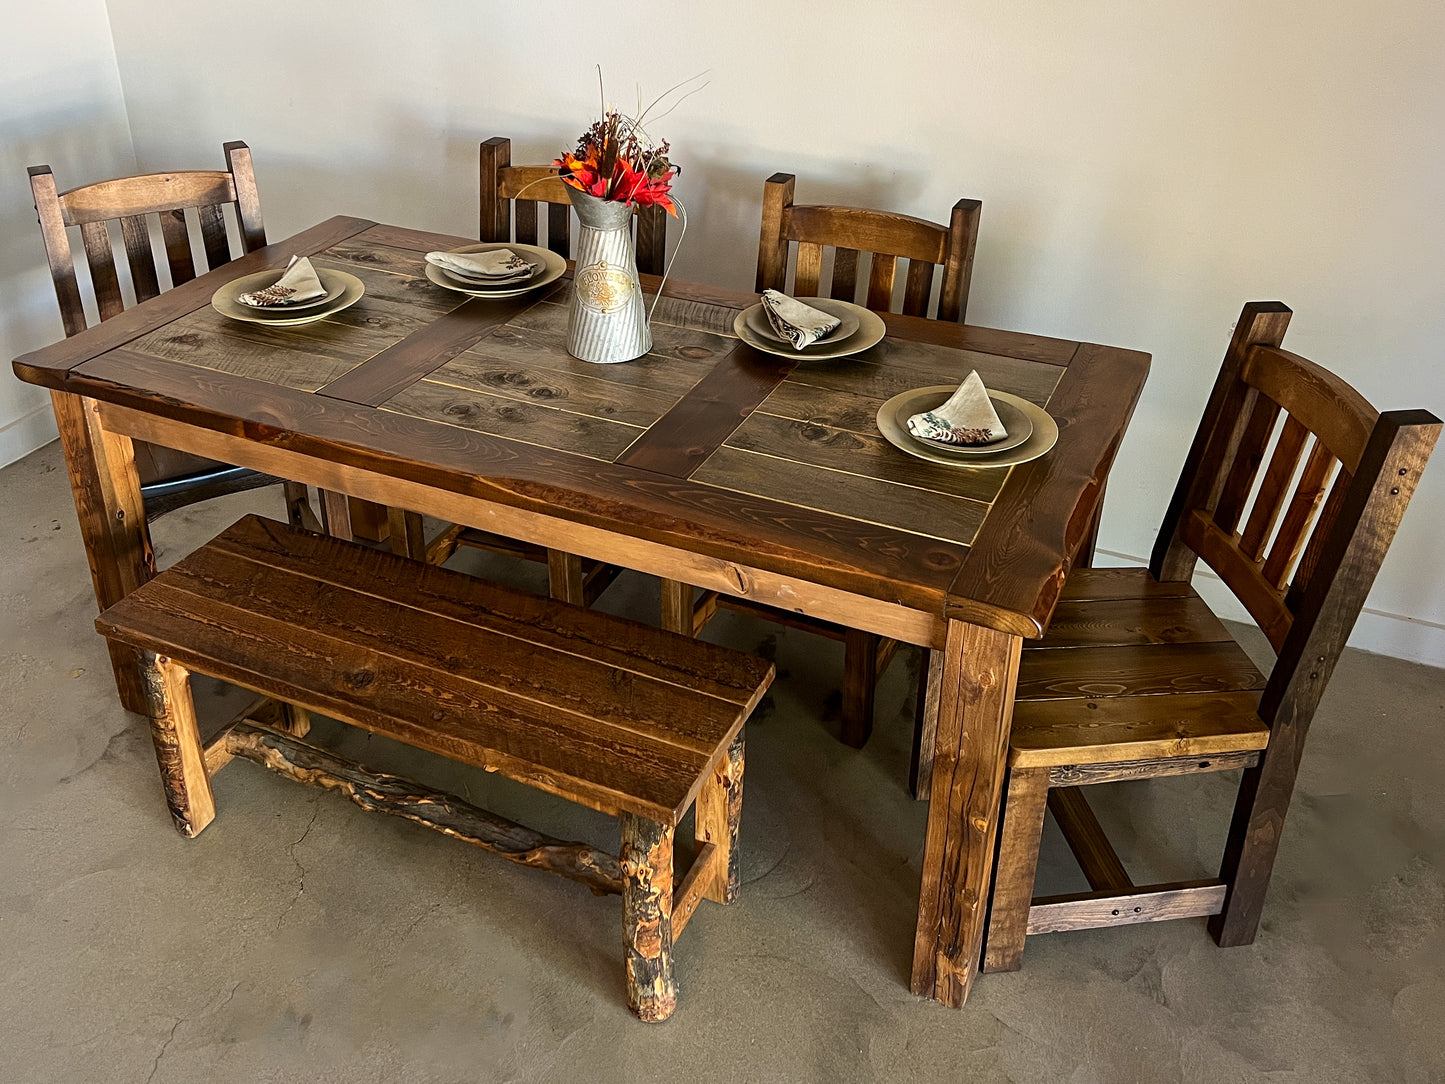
<point>704,444</point>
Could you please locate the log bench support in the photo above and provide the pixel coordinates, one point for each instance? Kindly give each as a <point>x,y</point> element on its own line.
<point>630,720</point>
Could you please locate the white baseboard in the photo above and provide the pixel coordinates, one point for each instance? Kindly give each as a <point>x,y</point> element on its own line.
<point>1377,631</point>
<point>26,433</point>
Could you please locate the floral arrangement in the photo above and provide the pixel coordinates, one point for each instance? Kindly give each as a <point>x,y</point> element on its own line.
<point>615,160</point>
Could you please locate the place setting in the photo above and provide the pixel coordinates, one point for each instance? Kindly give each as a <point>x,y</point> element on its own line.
<point>967,425</point>
<point>301,294</point>
<point>812,328</point>
<point>494,270</point>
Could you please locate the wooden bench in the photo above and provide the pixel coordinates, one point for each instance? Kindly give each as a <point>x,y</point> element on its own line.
<point>630,720</point>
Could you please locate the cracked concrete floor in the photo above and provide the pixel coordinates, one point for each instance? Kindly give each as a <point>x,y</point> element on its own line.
<point>299,939</point>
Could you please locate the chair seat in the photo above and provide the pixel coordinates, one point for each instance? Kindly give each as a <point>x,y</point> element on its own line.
<point>1133,669</point>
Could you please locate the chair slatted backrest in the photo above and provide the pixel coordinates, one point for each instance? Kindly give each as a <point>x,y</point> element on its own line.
<point>1291,493</point>
<point>136,205</point>
<point>509,212</point>
<point>886,237</point>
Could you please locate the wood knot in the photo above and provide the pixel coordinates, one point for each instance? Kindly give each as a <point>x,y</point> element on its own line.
<point>459,410</point>
<point>358,679</point>
<point>697,352</point>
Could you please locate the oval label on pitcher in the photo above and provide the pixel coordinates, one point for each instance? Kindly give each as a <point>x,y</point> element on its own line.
<point>603,288</point>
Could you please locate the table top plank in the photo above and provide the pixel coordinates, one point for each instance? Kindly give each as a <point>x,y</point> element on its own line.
<point>561,387</point>
<point>861,453</point>
<point>532,423</point>
<point>857,497</point>
<point>699,423</point>
<point>419,354</point>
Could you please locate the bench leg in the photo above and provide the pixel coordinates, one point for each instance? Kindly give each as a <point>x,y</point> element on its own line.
<point>647,916</point>
<point>719,812</point>
<point>178,743</point>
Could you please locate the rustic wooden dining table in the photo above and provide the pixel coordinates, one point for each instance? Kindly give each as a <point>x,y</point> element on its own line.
<point>707,463</point>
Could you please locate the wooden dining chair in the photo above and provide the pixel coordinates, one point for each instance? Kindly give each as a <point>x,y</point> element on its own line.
<point>884,238</point>
<point>1291,494</point>
<point>149,215</point>
<point>510,199</point>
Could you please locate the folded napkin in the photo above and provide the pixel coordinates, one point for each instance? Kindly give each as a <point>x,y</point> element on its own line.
<point>967,418</point>
<point>494,265</point>
<point>802,325</point>
<point>299,283</point>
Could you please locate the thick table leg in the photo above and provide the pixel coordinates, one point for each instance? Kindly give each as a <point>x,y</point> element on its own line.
<point>976,694</point>
<point>647,916</point>
<point>108,504</point>
<point>719,813</point>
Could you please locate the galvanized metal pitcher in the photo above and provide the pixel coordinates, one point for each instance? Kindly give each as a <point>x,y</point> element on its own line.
<point>607,321</point>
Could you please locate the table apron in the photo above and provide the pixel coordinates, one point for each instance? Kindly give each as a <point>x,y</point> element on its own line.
<point>709,573</point>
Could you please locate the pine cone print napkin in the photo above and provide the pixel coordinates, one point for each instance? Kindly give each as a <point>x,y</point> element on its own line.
<point>967,418</point>
<point>493,266</point>
<point>299,283</point>
<point>802,325</point>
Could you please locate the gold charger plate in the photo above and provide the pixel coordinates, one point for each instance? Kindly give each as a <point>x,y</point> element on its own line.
<point>553,268</point>
<point>342,291</point>
<point>757,321</point>
<point>893,424</point>
<point>871,330</point>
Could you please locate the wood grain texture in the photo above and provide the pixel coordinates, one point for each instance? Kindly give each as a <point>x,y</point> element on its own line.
<point>688,433</point>
<point>975,707</point>
<point>1154,903</point>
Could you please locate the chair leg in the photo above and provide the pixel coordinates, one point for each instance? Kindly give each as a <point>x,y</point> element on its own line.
<point>1025,798</point>
<point>860,683</point>
<point>1250,849</point>
<point>677,607</point>
<point>408,538</point>
<point>925,719</point>
<point>299,512</point>
<point>565,581</point>
<point>646,858</point>
<point>177,739</point>
<point>719,813</point>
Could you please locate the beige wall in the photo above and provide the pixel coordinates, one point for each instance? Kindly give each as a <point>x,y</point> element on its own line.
<point>1145,168</point>
<point>61,104</point>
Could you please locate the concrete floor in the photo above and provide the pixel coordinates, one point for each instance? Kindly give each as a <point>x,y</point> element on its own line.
<point>299,939</point>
